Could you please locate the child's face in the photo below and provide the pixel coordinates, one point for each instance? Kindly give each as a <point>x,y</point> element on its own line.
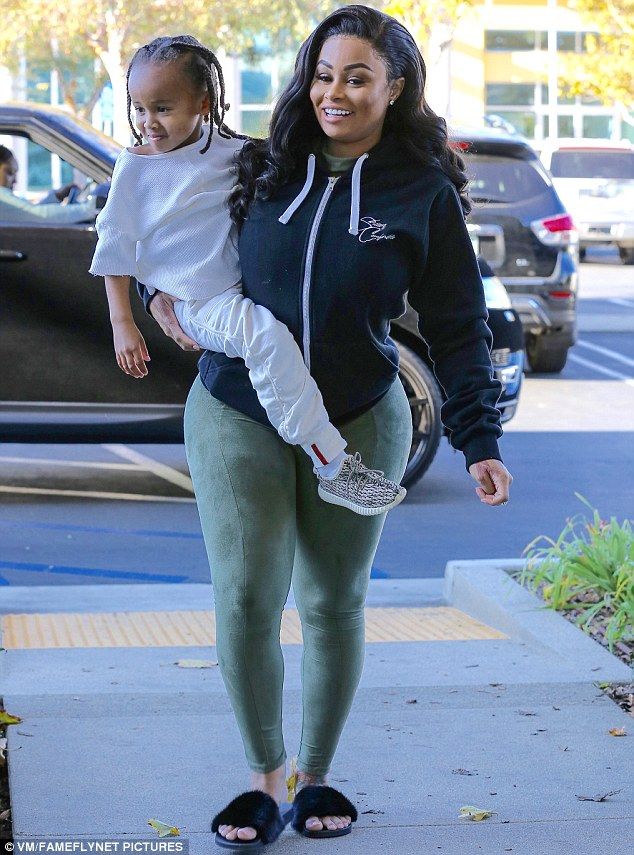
<point>168,110</point>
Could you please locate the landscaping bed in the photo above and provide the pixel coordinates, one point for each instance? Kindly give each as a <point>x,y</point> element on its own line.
<point>587,576</point>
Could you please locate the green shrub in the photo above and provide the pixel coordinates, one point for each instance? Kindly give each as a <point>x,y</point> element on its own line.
<point>589,568</point>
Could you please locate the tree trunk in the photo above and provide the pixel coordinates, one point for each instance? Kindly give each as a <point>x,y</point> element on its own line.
<point>112,59</point>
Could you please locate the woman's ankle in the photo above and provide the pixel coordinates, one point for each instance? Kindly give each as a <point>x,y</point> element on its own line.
<point>273,782</point>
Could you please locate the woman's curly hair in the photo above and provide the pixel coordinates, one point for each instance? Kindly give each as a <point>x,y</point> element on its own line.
<point>265,165</point>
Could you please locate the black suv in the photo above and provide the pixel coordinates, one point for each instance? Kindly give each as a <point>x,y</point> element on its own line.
<point>527,238</point>
<point>61,382</point>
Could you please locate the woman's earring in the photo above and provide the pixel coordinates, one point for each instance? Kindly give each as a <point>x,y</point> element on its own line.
<point>392,102</point>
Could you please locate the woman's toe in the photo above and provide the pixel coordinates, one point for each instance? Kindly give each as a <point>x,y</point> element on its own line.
<point>247,833</point>
<point>231,832</point>
<point>313,823</point>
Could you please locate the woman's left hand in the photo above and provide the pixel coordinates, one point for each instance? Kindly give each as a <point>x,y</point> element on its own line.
<point>494,480</point>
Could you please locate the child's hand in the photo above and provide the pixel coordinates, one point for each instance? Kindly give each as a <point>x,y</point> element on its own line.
<point>130,348</point>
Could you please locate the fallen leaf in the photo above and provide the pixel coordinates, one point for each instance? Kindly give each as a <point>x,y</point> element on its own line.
<point>600,798</point>
<point>475,814</point>
<point>23,733</point>
<point>195,663</point>
<point>413,701</point>
<point>462,772</point>
<point>7,718</point>
<point>5,814</point>
<point>617,731</point>
<point>163,829</point>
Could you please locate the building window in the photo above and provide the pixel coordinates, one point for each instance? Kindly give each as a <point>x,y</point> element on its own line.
<point>255,123</point>
<point>511,40</point>
<point>510,94</point>
<point>255,86</point>
<point>566,41</point>
<point>522,121</point>
<point>599,127</point>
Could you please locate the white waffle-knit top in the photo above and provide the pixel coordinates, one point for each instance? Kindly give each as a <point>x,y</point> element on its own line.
<point>166,221</point>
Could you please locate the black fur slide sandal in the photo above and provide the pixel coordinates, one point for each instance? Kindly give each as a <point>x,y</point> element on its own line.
<point>255,809</point>
<point>320,800</point>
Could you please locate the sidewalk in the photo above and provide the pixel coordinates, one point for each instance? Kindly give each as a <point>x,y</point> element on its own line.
<point>478,699</point>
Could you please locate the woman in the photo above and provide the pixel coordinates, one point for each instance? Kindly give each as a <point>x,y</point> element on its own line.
<point>355,200</point>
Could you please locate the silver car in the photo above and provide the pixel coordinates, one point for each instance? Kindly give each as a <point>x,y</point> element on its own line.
<point>595,181</point>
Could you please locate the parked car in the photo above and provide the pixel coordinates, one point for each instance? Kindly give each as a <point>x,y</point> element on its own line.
<point>528,239</point>
<point>595,180</point>
<point>61,382</point>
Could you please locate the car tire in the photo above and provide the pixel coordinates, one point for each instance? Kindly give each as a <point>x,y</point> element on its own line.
<point>425,401</point>
<point>545,357</point>
<point>582,253</point>
<point>626,254</point>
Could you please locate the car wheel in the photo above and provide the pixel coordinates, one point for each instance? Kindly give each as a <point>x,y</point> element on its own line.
<point>582,253</point>
<point>626,254</point>
<point>545,358</point>
<point>425,401</point>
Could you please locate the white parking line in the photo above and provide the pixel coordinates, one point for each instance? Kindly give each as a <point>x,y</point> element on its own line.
<point>629,304</point>
<point>90,494</point>
<point>91,464</point>
<point>629,381</point>
<point>158,469</point>
<point>618,357</point>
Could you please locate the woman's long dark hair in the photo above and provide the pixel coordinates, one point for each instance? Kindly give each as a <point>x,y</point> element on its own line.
<point>265,165</point>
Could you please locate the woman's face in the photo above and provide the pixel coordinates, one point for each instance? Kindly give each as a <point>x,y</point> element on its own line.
<point>351,94</point>
<point>9,173</point>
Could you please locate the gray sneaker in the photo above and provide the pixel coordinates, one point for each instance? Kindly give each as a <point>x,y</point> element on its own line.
<point>362,490</point>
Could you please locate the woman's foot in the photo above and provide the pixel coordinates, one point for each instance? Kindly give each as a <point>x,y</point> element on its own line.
<point>317,823</point>
<point>273,783</point>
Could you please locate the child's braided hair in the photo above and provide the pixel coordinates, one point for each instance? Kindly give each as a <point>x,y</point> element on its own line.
<point>202,67</point>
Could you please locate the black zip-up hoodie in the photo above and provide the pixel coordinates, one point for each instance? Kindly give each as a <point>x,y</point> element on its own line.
<point>335,258</point>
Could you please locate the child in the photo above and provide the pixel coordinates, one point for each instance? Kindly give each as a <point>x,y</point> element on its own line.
<point>166,222</point>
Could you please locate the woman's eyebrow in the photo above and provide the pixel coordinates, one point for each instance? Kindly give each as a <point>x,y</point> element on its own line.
<point>347,67</point>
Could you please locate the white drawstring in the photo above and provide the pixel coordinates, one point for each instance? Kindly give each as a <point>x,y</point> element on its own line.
<point>310,174</point>
<point>355,204</point>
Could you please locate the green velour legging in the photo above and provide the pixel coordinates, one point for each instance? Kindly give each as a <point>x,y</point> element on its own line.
<point>264,523</point>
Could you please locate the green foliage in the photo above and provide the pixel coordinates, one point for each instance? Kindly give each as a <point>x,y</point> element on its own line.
<point>606,70</point>
<point>589,568</point>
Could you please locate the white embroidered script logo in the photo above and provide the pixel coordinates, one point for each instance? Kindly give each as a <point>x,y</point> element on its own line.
<point>373,230</point>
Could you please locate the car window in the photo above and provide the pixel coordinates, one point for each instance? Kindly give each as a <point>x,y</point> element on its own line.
<point>592,164</point>
<point>33,194</point>
<point>503,179</point>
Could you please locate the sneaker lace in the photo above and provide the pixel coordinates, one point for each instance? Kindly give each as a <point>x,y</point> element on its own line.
<point>359,474</point>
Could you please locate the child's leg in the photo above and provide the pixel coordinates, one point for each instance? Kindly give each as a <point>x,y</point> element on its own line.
<point>235,325</point>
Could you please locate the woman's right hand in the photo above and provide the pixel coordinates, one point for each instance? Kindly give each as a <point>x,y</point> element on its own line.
<point>162,310</point>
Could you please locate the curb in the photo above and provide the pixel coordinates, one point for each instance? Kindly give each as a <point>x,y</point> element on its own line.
<point>486,591</point>
<point>30,599</point>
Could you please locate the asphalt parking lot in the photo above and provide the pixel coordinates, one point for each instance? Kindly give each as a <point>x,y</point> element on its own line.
<point>120,514</point>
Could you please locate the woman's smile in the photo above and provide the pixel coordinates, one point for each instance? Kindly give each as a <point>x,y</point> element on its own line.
<point>350,94</point>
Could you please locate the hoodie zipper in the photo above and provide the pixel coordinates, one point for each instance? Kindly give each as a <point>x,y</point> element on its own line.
<point>308,268</point>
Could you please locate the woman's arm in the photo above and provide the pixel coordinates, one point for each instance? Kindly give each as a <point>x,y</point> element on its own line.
<point>161,307</point>
<point>449,298</point>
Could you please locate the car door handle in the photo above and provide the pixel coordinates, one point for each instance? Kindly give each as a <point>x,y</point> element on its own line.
<point>12,255</point>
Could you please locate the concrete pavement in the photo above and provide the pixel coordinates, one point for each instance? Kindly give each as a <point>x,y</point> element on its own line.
<point>113,736</point>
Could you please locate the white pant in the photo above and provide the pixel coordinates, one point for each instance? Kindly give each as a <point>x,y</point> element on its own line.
<point>233,324</point>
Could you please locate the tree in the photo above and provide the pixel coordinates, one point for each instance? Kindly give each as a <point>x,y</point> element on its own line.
<point>432,24</point>
<point>59,35</point>
<point>605,70</point>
